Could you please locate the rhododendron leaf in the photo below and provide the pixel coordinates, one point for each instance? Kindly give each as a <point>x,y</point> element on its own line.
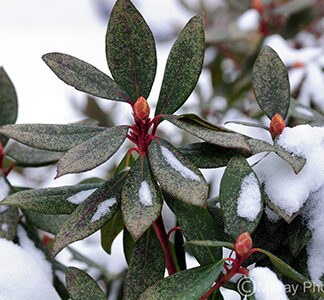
<point>209,243</point>
<point>271,84</point>
<point>8,102</point>
<point>8,223</point>
<point>82,286</point>
<point>84,77</point>
<point>184,285</point>
<point>230,190</point>
<point>92,152</point>
<point>130,50</point>
<point>146,266</point>
<point>183,67</point>
<point>176,175</point>
<point>141,202</point>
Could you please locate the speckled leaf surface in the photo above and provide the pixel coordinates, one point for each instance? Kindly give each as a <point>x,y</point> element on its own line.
<point>216,137</point>
<point>270,83</point>
<point>128,245</point>
<point>84,77</point>
<point>177,176</point>
<point>92,152</point>
<point>186,285</point>
<point>183,67</point>
<point>146,266</point>
<point>230,189</point>
<point>25,156</point>
<point>48,223</point>
<point>51,137</point>
<point>91,214</point>
<point>8,102</point>
<point>130,50</point>
<point>258,146</point>
<point>8,223</point>
<point>196,224</point>
<point>48,200</point>
<point>209,243</point>
<point>141,202</point>
<point>82,286</point>
<point>206,155</point>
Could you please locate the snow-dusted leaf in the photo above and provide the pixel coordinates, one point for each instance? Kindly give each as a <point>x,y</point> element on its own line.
<point>209,243</point>
<point>84,77</point>
<point>92,152</point>
<point>271,84</point>
<point>80,285</point>
<point>211,135</point>
<point>249,124</point>
<point>130,50</point>
<point>240,197</point>
<point>8,102</point>
<point>183,67</point>
<point>45,222</point>
<point>184,285</point>
<point>25,156</point>
<point>91,214</point>
<point>141,202</point>
<point>176,175</point>
<point>303,112</point>
<point>196,224</point>
<point>146,266</point>
<point>59,200</point>
<point>51,137</point>
<point>8,223</point>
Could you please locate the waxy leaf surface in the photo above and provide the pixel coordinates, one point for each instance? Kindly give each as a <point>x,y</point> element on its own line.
<point>130,50</point>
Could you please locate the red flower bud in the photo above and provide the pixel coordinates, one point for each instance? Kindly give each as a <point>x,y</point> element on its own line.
<point>243,244</point>
<point>47,239</point>
<point>258,5</point>
<point>141,109</point>
<point>277,125</point>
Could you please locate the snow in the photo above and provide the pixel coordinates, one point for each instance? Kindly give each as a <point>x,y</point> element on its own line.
<point>272,216</point>
<point>25,273</point>
<point>103,209</point>
<point>177,165</point>
<point>80,196</point>
<point>145,194</point>
<point>283,187</point>
<point>249,20</point>
<point>249,201</point>
<point>4,227</point>
<point>4,192</point>
<point>304,111</point>
<point>266,284</point>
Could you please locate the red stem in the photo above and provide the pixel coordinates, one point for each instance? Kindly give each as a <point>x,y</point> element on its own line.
<point>160,231</point>
<point>170,231</point>
<point>6,173</point>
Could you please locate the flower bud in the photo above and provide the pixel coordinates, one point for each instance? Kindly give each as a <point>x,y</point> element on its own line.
<point>243,244</point>
<point>258,5</point>
<point>141,109</point>
<point>277,125</point>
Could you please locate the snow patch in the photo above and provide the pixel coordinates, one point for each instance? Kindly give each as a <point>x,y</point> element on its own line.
<point>249,20</point>
<point>283,187</point>
<point>249,201</point>
<point>177,165</point>
<point>145,194</point>
<point>304,111</point>
<point>103,209</point>
<point>266,284</point>
<point>4,227</point>
<point>80,196</point>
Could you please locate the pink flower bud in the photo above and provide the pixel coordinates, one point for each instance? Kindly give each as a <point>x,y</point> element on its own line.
<point>243,244</point>
<point>141,109</point>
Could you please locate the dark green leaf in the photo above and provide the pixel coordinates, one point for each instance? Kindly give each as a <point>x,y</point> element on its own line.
<point>8,223</point>
<point>178,176</point>
<point>84,77</point>
<point>196,224</point>
<point>128,244</point>
<point>293,274</point>
<point>25,156</point>
<point>91,214</point>
<point>8,102</point>
<point>230,189</point>
<point>207,243</point>
<point>271,84</point>
<point>183,67</point>
<point>187,285</point>
<point>206,155</point>
<point>110,231</point>
<point>48,223</point>
<point>130,50</point>
<point>146,266</point>
<point>249,124</point>
<point>92,152</point>
<point>141,202</point>
<point>303,112</point>
<point>50,136</point>
<point>60,200</point>
<point>81,286</point>
<point>213,136</point>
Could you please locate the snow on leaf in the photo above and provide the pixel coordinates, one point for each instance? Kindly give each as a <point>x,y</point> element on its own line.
<point>103,209</point>
<point>145,194</point>
<point>80,196</point>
